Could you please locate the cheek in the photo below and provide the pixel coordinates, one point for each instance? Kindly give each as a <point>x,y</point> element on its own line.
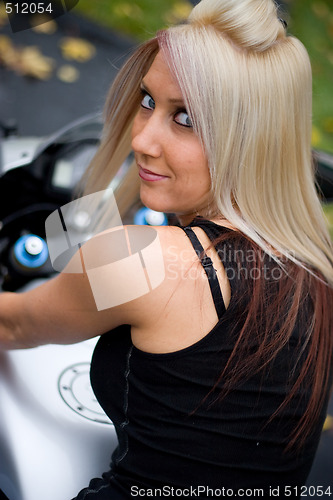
<point>201,180</point>
<point>198,171</point>
<point>195,184</point>
<point>202,183</point>
<point>189,155</point>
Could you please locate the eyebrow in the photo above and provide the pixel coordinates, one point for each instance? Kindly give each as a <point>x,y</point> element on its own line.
<point>179,102</point>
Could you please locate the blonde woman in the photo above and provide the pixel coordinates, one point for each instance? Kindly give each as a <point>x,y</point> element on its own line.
<point>217,379</point>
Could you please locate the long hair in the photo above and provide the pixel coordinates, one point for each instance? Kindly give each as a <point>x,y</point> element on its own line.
<point>247,86</point>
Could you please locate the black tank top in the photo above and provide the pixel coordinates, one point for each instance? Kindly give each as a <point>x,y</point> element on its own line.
<point>171,435</point>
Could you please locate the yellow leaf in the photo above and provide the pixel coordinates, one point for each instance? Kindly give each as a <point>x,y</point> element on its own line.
<point>328,423</point>
<point>316,137</point>
<point>33,63</point>
<point>5,43</point>
<point>28,61</point>
<point>77,49</point>
<point>328,124</point>
<point>3,15</point>
<point>128,10</point>
<point>9,55</point>
<point>68,74</point>
<point>42,23</point>
<point>180,11</point>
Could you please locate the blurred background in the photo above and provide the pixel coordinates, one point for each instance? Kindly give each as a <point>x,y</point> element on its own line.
<point>110,28</point>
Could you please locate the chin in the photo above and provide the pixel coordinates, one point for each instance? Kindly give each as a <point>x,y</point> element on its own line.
<point>164,204</point>
<point>155,204</point>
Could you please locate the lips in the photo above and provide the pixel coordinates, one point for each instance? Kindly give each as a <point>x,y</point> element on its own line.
<point>149,176</point>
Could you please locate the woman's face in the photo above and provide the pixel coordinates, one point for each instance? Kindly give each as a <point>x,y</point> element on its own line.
<point>172,165</point>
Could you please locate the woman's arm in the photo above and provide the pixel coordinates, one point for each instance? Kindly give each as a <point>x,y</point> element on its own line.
<point>108,292</point>
<point>60,311</point>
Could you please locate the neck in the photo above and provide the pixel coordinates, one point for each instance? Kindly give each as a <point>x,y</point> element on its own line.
<point>185,219</point>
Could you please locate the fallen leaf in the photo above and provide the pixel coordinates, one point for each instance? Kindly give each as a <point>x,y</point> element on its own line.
<point>316,136</point>
<point>42,23</point>
<point>3,15</point>
<point>33,63</point>
<point>9,55</point>
<point>68,73</point>
<point>328,124</point>
<point>77,49</point>
<point>328,423</point>
<point>179,12</point>
<point>128,10</point>
<point>28,61</point>
<point>5,44</point>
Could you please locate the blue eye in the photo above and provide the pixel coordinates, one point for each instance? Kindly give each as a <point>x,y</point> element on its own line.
<point>183,119</point>
<point>148,102</point>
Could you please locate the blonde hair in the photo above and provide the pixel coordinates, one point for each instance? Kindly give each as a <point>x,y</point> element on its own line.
<point>248,89</point>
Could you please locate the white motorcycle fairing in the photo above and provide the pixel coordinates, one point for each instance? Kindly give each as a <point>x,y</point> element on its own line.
<point>54,436</point>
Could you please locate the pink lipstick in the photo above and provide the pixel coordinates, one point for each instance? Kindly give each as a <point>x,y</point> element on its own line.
<point>147,175</point>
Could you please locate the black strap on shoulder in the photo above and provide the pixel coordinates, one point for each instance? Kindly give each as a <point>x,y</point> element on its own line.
<point>207,264</point>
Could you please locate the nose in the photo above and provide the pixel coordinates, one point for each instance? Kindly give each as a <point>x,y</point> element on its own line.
<point>147,136</point>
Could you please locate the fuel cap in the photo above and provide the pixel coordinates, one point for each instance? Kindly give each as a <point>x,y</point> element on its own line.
<point>31,251</point>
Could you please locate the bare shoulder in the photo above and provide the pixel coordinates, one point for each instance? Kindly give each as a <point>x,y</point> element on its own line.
<point>133,272</point>
<point>181,310</point>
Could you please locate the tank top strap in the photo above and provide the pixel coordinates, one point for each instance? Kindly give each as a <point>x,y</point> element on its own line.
<point>207,264</point>
<point>231,252</point>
